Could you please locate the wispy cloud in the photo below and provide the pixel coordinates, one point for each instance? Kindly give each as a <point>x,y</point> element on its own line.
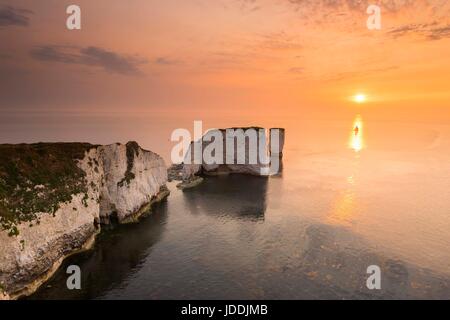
<point>360,74</point>
<point>429,31</point>
<point>90,56</point>
<point>248,5</point>
<point>354,5</point>
<point>280,41</point>
<point>349,12</point>
<point>10,16</point>
<point>439,33</point>
<point>297,70</point>
<point>164,61</point>
<point>226,60</point>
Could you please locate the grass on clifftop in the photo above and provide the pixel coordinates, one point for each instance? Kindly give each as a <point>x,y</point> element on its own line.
<point>37,178</point>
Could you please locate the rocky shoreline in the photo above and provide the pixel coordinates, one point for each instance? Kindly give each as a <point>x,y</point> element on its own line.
<point>55,197</point>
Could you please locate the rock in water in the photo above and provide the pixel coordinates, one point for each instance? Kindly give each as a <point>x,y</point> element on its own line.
<point>190,183</point>
<point>236,150</point>
<point>54,196</point>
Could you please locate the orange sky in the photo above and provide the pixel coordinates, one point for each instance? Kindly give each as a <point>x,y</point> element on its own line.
<point>233,58</point>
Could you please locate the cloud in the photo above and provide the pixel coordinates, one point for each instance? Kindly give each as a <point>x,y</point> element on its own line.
<point>359,5</point>
<point>55,54</point>
<point>248,5</point>
<point>280,41</point>
<point>111,61</point>
<point>10,16</point>
<point>221,60</point>
<point>429,31</point>
<point>163,61</point>
<point>412,28</point>
<point>351,11</point>
<point>325,6</point>
<point>360,73</point>
<point>297,70</point>
<point>90,56</point>
<point>439,33</point>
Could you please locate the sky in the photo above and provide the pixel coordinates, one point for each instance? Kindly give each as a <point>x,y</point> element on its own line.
<point>241,60</point>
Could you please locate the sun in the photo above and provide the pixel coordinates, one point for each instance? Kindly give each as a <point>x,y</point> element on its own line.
<point>360,98</point>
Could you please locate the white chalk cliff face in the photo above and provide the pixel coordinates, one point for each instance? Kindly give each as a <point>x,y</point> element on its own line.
<point>123,197</point>
<point>122,182</point>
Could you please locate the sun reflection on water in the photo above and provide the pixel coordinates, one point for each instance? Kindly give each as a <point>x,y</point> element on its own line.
<point>345,206</point>
<point>356,139</point>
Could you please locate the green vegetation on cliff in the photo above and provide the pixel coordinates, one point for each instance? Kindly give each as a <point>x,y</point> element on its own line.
<point>38,178</point>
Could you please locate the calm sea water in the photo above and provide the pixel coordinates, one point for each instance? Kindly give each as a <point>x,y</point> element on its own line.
<point>339,206</point>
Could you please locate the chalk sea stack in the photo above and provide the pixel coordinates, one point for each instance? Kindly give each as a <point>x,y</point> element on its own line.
<point>242,150</point>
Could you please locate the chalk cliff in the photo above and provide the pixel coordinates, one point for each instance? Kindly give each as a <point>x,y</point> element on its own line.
<point>53,198</point>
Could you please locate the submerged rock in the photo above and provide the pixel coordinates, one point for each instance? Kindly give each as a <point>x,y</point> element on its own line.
<point>53,198</point>
<point>190,183</point>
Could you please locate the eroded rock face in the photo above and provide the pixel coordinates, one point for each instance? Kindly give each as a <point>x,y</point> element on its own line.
<point>121,182</point>
<point>121,196</point>
<point>258,153</point>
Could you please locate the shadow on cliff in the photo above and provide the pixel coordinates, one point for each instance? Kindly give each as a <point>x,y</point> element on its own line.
<point>232,196</point>
<point>117,254</point>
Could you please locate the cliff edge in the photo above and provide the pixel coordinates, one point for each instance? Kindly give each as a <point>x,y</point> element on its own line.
<point>54,197</point>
